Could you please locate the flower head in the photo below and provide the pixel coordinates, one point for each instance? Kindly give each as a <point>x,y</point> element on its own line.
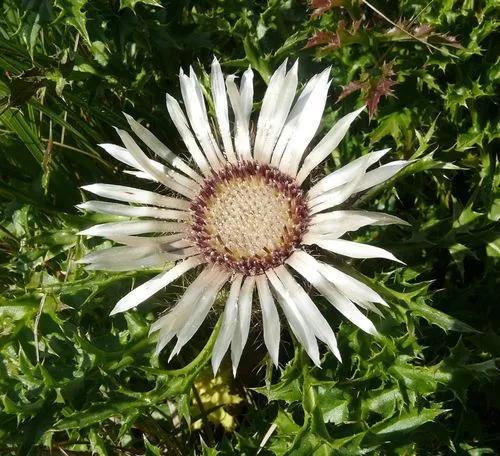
<point>239,212</point>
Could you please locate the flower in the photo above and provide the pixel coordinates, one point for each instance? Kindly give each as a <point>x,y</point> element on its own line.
<point>243,213</point>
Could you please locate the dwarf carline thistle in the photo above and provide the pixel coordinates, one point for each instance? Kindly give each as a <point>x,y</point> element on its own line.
<point>245,214</point>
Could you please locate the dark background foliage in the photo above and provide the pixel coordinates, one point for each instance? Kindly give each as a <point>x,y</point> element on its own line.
<point>73,381</point>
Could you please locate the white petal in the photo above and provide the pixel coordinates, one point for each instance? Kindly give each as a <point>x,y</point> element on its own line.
<point>199,91</point>
<point>346,174</point>
<point>299,326</point>
<point>355,249</point>
<point>176,245</point>
<point>121,154</point>
<point>246,92</point>
<point>211,139</point>
<point>118,254</point>
<point>187,301</point>
<point>133,227</point>
<point>368,306</point>
<point>333,225</point>
<point>309,311</point>
<point>135,195</point>
<point>158,172</point>
<point>242,120</point>
<point>334,197</point>
<point>197,114</point>
<point>151,261</point>
<point>381,174</point>
<point>240,335</point>
<point>268,106</point>
<point>198,316</point>
<point>145,163</point>
<point>349,286</point>
<point>327,145</point>
<point>221,111</point>
<point>270,318</point>
<point>177,177</point>
<point>229,321</point>
<point>353,220</point>
<point>308,122</point>
<point>292,121</point>
<point>148,289</point>
<point>306,266</point>
<point>161,149</point>
<point>167,244</point>
<point>130,258</point>
<point>171,323</point>
<point>275,108</point>
<point>149,240</point>
<point>125,156</point>
<point>180,122</point>
<point>104,207</point>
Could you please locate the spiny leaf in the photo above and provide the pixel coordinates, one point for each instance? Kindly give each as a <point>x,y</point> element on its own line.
<point>70,11</point>
<point>407,421</point>
<point>373,88</point>
<point>441,319</point>
<point>320,7</point>
<point>133,3</point>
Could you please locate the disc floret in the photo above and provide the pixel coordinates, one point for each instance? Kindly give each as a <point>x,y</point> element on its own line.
<point>249,217</point>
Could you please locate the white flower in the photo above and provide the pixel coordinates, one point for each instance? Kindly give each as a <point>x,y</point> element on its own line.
<point>242,216</point>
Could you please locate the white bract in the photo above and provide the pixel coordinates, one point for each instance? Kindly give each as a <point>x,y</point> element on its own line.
<point>236,211</point>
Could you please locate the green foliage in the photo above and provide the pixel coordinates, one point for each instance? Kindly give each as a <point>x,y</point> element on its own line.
<point>73,380</point>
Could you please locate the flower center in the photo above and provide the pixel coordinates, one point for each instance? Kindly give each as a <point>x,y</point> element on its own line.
<point>249,217</point>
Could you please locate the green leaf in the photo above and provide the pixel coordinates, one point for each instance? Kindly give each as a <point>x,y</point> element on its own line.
<point>100,412</point>
<point>384,402</point>
<point>254,57</point>
<point>15,121</point>
<point>132,3</point>
<point>441,319</point>
<point>407,421</point>
<point>208,451</point>
<point>19,308</point>
<point>97,443</point>
<point>333,403</point>
<point>288,388</point>
<point>493,248</point>
<point>168,385</point>
<point>395,125</point>
<point>70,11</point>
<point>36,15</point>
<point>151,450</point>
